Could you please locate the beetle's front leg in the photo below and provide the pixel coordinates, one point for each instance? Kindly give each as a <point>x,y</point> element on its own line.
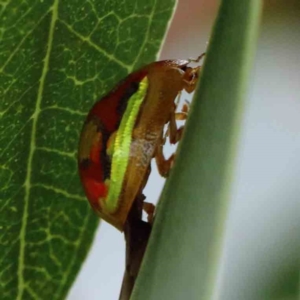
<point>190,79</point>
<point>173,132</point>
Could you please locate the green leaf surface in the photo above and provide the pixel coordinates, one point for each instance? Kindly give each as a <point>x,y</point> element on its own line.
<point>56,59</point>
<point>183,255</point>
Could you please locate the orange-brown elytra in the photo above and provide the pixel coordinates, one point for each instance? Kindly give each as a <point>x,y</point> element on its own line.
<point>124,131</point>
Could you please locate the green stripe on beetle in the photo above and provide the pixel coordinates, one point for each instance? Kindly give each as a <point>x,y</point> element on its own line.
<point>122,143</point>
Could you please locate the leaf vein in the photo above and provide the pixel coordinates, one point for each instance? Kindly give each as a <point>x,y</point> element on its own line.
<point>78,244</point>
<point>59,191</point>
<point>59,152</point>
<point>146,37</point>
<point>71,111</point>
<point>17,48</point>
<point>92,44</point>
<point>27,182</point>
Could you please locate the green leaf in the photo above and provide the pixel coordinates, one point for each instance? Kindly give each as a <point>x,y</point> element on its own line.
<point>56,59</point>
<point>183,255</point>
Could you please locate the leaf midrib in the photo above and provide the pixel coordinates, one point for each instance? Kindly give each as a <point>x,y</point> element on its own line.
<point>27,182</point>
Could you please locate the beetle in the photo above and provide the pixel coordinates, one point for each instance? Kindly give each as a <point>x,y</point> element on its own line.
<point>125,129</point>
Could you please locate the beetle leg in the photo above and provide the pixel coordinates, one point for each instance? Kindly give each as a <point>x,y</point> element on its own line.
<point>186,107</point>
<point>175,133</point>
<point>149,208</point>
<point>163,164</point>
<point>179,116</point>
<point>182,115</point>
<point>190,79</point>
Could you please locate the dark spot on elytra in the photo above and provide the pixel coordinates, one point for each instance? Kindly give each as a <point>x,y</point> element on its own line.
<point>84,163</point>
<point>131,89</point>
<point>104,158</point>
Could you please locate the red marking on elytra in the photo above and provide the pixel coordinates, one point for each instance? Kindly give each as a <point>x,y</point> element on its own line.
<point>95,190</point>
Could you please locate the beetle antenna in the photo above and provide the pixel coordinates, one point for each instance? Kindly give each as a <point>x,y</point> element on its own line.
<point>196,59</point>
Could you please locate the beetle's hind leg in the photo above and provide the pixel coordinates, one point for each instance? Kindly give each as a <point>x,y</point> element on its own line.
<point>163,165</point>
<point>149,209</point>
